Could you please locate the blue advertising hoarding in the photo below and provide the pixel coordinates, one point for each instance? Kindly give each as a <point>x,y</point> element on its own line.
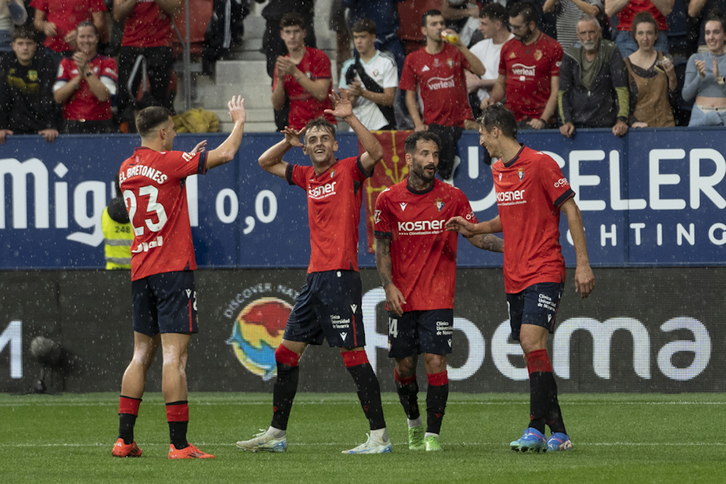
<point>653,198</point>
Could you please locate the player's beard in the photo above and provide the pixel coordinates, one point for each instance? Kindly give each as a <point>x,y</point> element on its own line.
<point>422,174</point>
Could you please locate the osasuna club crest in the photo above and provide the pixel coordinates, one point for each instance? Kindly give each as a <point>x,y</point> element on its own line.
<point>520,172</point>
<point>439,205</point>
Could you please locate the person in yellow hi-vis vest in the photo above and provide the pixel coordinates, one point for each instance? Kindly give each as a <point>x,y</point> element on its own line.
<point>117,233</point>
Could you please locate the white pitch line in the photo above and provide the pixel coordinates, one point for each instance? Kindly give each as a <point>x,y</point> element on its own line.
<point>351,402</point>
<point>343,444</point>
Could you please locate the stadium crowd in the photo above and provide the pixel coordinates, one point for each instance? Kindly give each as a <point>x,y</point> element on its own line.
<point>415,64</point>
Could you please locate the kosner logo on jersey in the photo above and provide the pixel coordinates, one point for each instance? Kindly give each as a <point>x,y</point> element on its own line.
<point>698,345</point>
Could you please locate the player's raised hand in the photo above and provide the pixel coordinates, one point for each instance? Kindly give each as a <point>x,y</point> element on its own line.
<point>584,280</point>
<point>237,109</point>
<point>293,136</point>
<point>341,104</point>
<point>394,299</point>
<point>201,146</point>
<point>459,224</point>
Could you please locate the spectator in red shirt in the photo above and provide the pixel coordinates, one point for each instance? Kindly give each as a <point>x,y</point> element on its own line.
<point>626,11</point>
<point>436,72</point>
<point>58,20</point>
<point>303,75</point>
<point>529,71</point>
<point>85,85</point>
<point>147,32</point>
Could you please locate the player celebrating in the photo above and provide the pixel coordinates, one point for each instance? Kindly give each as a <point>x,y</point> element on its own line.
<point>416,260</point>
<point>162,261</point>
<point>531,193</point>
<point>329,305</point>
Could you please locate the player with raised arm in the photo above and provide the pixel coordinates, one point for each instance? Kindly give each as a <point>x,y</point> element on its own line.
<point>416,261</point>
<point>531,193</point>
<point>329,304</point>
<point>162,264</point>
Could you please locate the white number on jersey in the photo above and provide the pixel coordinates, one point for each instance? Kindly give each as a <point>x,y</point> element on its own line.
<point>152,206</point>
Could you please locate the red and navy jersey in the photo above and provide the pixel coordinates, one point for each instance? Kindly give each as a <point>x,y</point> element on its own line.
<point>303,106</point>
<point>66,15</point>
<point>147,26</point>
<point>334,202</point>
<point>152,183</point>
<point>529,70</point>
<point>442,85</point>
<point>423,253</point>
<point>530,191</point>
<point>83,104</point>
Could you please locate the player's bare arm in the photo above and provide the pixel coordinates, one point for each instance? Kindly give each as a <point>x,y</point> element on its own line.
<point>343,109</point>
<point>467,229</point>
<point>271,160</point>
<point>489,242</point>
<point>384,263</point>
<point>584,278</point>
<point>225,152</point>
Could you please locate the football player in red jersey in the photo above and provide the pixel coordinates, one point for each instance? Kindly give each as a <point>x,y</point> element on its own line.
<point>416,260</point>
<point>162,265</point>
<point>531,193</point>
<point>329,304</point>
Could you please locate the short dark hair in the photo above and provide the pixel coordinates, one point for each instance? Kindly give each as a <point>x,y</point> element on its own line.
<point>715,15</point>
<point>151,118</point>
<point>365,25</point>
<point>527,10</point>
<point>23,32</point>
<point>643,18</point>
<point>429,13</point>
<point>501,117</point>
<point>494,11</point>
<point>292,19</point>
<point>88,23</point>
<point>320,123</point>
<point>416,136</point>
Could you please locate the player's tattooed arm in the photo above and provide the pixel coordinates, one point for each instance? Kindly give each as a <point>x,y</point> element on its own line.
<point>394,298</point>
<point>488,242</point>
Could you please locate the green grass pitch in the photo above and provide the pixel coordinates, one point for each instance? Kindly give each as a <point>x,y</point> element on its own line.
<point>617,438</point>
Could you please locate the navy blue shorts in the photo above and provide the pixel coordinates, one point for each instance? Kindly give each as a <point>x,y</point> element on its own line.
<point>536,305</point>
<point>165,303</point>
<point>328,307</point>
<point>420,332</point>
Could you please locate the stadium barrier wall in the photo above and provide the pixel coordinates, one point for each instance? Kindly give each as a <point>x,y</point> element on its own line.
<point>652,198</point>
<point>642,330</point>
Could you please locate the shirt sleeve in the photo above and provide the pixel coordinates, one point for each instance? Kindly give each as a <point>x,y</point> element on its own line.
<point>390,76</point>
<point>554,182</point>
<point>181,164</point>
<point>502,60</point>
<point>465,209</point>
<point>381,218</point>
<point>408,76</point>
<point>557,54</point>
<point>693,80</point>
<point>41,5</point>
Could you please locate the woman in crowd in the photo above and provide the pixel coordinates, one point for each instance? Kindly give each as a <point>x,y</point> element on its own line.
<point>652,77</point>
<point>85,85</point>
<point>704,80</point>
